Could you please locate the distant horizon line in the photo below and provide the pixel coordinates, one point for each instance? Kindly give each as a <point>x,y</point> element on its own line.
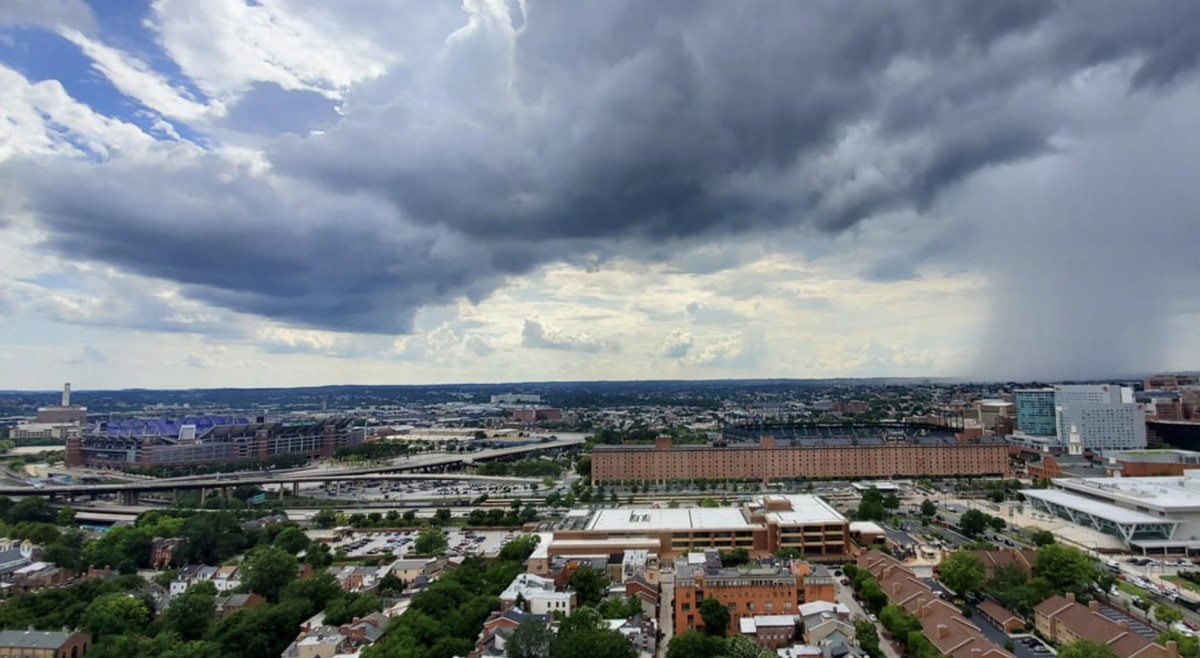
<point>732,380</point>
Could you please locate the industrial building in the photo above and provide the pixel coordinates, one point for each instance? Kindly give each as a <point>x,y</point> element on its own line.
<point>1154,515</point>
<point>142,443</point>
<point>779,453</point>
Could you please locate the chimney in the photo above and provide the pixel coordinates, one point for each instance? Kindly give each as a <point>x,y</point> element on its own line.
<point>895,589</point>
<point>1094,605</point>
<point>66,398</point>
<point>942,631</point>
<point>1071,597</point>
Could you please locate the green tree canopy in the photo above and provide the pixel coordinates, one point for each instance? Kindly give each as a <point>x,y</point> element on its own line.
<point>1167,614</point>
<point>928,508</point>
<point>268,570</point>
<point>529,640</point>
<point>431,541</point>
<point>973,522</point>
<point>716,617</point>
<point>589,585</point>
<point>325,518</point>
<point>292,539</point>
<point>1042,537</point>
<point>694,644</point>
<point>115,614</point>
<point>963,572</point>
<point>1065,568</point>
<point>190,614</point>
<point>1086,649</point>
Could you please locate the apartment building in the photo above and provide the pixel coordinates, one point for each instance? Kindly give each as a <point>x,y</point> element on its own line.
<point>772,589</point>
<point>771,459</point>
<point>1062,620</point>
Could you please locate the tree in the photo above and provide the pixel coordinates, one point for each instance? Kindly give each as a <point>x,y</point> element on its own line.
<point>997,523</point>
<point>741,646</point>
<point>431,541</point>
<point>345,608</point>
<point>1086,649</point>
<point>973,522</point>
<point>114,614</point>
<point>325,518</point>
<point>1167,614</point>
<point>292,539</point>
<point>66,516</point>
<point>268,570</point>
<point>716,617</point>
<point>442,515</point>
<point>694,644</point>
<point>891,502</point>
<point>530,640</point>
<point>317,554</point>
<point>1042,537</point>
<point>33,508</point>
<point>962,572</point>
<point>928,508</point>
<point>1065,568</point>
<point>122,548</point>
<point>190,614</point>
<point>736,557</point>
<point>589,585</point>
<point>868,637</point>
<point>583,466</point>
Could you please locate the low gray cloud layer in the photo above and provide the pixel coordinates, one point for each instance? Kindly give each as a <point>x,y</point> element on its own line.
<point>585,130</point>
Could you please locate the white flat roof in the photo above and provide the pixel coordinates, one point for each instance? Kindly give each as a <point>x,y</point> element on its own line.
<point>806,509</point>
<point>1094,507</point>
<point>1167,493</point>
<point>665,519</point>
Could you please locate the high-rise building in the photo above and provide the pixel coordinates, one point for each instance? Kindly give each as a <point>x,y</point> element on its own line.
<point>1035,411</point>
<point>1099,418</point>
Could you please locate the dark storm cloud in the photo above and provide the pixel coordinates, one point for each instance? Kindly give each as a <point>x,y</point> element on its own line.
<point>605,128</point>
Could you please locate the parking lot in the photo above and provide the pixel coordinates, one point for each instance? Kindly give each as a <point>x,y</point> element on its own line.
<point>366,543</point>
<point>416,489</point>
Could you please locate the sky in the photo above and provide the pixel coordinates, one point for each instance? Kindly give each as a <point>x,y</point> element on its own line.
<point>284,192</point>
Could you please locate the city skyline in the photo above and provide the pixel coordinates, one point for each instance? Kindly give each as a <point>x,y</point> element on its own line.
<point>279,194</point>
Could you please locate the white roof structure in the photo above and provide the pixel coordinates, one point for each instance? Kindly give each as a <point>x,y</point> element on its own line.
<point>641,520</point>
<point>1131,526</point>
<point>805,510</point>
<point>1169,494</point>
<point>867,527</point>
<point>820,607</point>
<point>1094,507</point>
<point>749,625</point>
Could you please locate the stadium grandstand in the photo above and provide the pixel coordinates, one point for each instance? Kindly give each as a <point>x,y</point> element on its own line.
<point>188,440</point>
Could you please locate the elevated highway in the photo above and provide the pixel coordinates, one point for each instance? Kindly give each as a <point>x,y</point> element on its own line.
<point>420,467</point>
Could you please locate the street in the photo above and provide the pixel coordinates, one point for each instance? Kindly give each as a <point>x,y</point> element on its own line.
<point>845,597</point>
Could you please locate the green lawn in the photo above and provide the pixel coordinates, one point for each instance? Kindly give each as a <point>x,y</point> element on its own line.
<point>1176,580</point>
<point>1132,590</point>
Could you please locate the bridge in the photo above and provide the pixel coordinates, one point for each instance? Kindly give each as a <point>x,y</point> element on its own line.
<point>397,469</point>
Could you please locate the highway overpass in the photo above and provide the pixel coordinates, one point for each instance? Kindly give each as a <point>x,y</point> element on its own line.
<point>396,469</point>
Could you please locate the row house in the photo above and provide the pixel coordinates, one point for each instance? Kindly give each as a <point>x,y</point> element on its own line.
<point>942,623</point>
<point>1062,620</point>
<point>359,578</point>
<point>225,578</point>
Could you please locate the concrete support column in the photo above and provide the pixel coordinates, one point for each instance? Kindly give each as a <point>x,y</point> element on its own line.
<point>295,490</point>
